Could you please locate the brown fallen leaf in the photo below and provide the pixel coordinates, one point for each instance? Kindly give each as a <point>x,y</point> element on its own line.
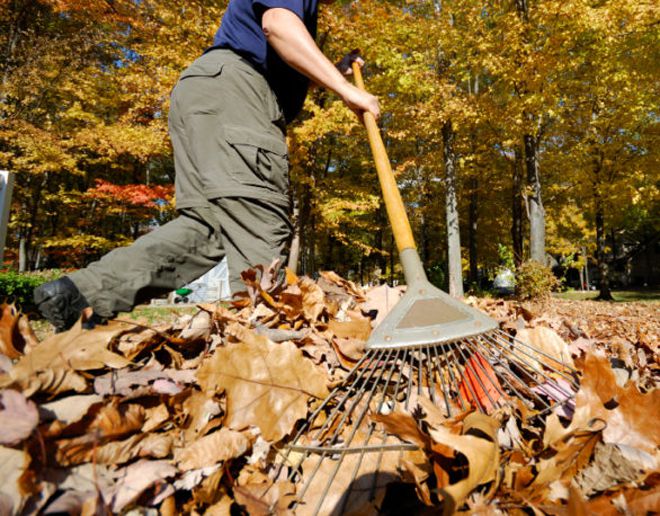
<point>77,349</point>
<point>573,452</point>
<point>613,465</point>
<point>9,316</point>
<point>634,501</point>
<point>155,446</point>
<point>18,417</point>
<point>313,299</point>
<point>267,385</point>
<point>405,427</point>
<point>349,351</point>
<point>358,329</point>
<point>12,463</point>
<point>266,498</point>
<point>124,382</point>
<point>69,409</point>
<point>625,410</point>
<point>199,409</point>
<point>133,480</point>
<point>49,381</point>
<point>217,447</point>
<point>199,327</point>
<point>482,455</point>
<point>548,342</point>
<point>155,417</point>
<point>382,299</point>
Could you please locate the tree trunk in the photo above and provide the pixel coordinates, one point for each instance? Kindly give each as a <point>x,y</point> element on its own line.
<point>294,250</point>
<point>517,207</point>
<point>22,254</point>
<point>534,201</point>
<point>379,243</point>
<point>601,257</point>
<point>473,227</point>
<point>455,266</point>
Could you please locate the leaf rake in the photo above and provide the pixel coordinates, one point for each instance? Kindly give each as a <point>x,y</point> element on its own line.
<point>430,346</point>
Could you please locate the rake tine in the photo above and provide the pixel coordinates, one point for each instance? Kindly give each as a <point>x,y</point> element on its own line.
<point>442,381</point>
<point>470,367</point>
<point>450,368</point>
<point>356,427</point>
<point>348,441</point>
<point>519,380</point>
<point>531,366</point>
<point>465,381</point>
<point>501,336</point>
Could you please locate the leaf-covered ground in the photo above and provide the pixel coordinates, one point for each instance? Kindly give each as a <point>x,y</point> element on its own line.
<point>195,416</point>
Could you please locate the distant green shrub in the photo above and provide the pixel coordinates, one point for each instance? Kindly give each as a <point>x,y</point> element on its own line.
<point>535,281</point>
<point>17,288</point>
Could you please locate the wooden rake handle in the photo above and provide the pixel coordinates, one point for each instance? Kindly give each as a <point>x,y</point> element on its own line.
<point>396,211</point>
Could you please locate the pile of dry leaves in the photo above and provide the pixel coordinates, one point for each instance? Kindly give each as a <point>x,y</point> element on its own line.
<point>194,417</point>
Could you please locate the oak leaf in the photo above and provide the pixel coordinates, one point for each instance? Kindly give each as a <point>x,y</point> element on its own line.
<point>478,443</point>
<point>267,385</point>
<point>77,349</point>
<point>217,447</point>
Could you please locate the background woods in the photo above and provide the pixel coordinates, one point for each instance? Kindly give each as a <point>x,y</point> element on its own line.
<point>525,124</point>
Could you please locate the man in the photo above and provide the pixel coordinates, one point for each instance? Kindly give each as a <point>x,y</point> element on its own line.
<point>227,123</point>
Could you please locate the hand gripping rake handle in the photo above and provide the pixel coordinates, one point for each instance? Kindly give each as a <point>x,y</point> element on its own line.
<point>396,211</point>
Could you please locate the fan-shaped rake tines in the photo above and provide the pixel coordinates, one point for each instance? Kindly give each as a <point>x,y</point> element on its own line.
<point>341,458</point>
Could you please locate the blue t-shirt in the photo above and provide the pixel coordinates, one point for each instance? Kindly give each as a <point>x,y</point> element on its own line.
<point>241,31</point>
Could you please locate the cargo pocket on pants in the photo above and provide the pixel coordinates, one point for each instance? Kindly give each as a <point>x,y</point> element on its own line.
<point>201,68</point>
<point>259,159</point>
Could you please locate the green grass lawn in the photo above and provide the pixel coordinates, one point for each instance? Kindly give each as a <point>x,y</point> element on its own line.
<point>145,314</point>
<point>620,296</point>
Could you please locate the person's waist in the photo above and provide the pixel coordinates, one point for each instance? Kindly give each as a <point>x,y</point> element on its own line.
<point>243,57</point>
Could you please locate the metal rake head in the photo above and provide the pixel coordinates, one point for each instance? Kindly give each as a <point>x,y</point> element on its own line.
<point>341,458</point>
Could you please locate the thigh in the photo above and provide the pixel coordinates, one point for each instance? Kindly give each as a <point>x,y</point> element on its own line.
<point>227,134</point>
<point>254,232</point>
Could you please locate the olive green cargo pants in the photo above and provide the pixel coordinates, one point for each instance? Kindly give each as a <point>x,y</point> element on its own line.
<point>230,155</point>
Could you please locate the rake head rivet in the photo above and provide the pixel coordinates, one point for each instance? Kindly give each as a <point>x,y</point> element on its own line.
<point>388,338</point>
<point>422,291</point>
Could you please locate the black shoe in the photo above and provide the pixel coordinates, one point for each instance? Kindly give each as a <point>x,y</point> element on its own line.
<point>61,303</point>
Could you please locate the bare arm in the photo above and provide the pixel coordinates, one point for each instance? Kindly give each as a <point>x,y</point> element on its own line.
<point>287,34</point>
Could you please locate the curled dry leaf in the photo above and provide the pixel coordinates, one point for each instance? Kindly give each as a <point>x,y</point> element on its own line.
<point>625,410</point>
<point>199,327</point>
<point>547,341</point>
<point>12,463</point>
<point>613,465</point>
<point>358,329</point>
<point>217,447</point>
<point>267,385</point>
<point>124,382</point>
<point>156,446</point>
<point>18,417</point>
<point>313,299</point>
<point>77,349</point>
<point>200,408</point>
<point>133,480</point>
<point>51,381</point>
<point>68,410</point>
<point>382,299</point>
<point>482,455</point>
<point>9,316</point>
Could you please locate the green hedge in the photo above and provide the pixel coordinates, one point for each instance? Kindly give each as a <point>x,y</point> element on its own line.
<point>17,288</point>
